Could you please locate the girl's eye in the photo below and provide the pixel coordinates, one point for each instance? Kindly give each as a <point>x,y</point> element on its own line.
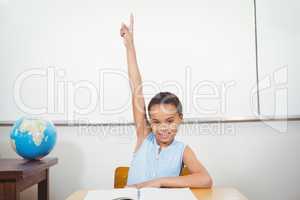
<point>170,121</point>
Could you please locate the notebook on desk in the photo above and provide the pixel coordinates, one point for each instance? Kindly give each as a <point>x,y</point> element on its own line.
<point>142,194</point>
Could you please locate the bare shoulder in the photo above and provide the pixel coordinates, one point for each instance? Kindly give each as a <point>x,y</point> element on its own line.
<point>188,152</point>
<point>191,161</point>
<point>140,139</point>
<point>189,156</point>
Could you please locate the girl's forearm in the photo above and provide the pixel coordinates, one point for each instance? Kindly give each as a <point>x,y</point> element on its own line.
<point>135,81</point>
<point>133,70</point>
<point>193,180</point>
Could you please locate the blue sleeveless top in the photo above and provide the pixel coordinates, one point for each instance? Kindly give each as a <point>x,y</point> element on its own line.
<point>148,163</point>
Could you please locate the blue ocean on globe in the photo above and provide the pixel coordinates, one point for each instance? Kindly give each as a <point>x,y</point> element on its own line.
<point>33,138</point>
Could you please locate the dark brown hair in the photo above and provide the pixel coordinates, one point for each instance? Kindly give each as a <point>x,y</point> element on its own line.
<point>166,98</point>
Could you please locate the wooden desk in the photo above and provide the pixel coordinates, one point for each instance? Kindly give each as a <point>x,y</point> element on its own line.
<point>18,174</point>
<point>216,193</point>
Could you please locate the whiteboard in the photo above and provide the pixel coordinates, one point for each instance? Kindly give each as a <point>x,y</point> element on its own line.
<point>278,55</point>
<point>64,60</point>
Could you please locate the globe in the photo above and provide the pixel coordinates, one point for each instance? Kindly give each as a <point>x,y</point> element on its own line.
<point>33,138</point>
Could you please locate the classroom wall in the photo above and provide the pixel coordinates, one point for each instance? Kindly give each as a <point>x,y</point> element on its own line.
<point>252,157</point>
<point>202,51</point>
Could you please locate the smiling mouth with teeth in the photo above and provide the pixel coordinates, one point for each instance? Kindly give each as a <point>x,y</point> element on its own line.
<point>164,135</point>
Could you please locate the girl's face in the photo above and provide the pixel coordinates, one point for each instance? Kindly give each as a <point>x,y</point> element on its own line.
<point>164,120</point>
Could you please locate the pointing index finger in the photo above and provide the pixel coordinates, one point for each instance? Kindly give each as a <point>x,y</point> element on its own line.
<point>131,22</point>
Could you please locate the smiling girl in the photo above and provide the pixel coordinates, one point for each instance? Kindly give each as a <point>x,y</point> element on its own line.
<point>158,158</point>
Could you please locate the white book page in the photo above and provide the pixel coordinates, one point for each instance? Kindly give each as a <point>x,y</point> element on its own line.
<point>130,193</point>
<point>166,193</point>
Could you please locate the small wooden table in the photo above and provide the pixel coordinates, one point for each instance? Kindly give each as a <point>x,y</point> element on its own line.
<point>215,193</point>
<point>18,174</point>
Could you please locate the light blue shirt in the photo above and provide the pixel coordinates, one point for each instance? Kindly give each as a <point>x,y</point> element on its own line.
<point>148,163</point>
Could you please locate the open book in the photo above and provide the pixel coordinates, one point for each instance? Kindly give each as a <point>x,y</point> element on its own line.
<point>142,194</point>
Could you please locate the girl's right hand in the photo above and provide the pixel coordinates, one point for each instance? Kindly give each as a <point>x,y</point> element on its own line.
<point>127,33</point>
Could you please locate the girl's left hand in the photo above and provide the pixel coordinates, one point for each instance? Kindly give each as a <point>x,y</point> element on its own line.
<point>156,183</point>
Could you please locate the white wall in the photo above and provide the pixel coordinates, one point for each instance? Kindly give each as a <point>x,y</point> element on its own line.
<point>278,46</point>
<point>203,51</point>
<point>253,157</point>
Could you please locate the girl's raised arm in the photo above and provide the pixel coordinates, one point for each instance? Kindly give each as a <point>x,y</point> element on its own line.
<point>138,102</point>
